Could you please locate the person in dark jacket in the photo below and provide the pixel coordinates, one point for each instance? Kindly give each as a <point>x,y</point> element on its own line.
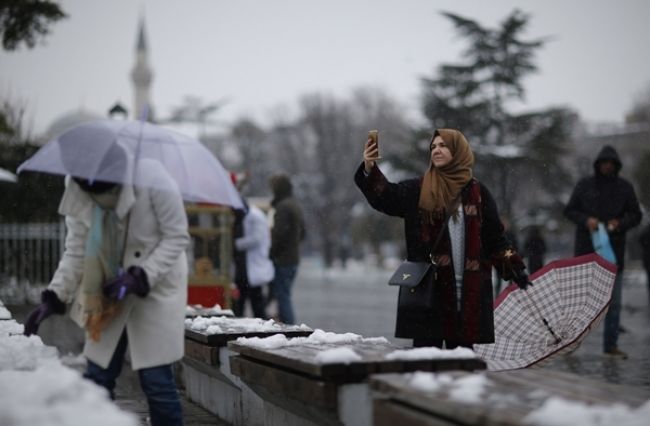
<point>474,242</point>
<point>534,249</point>
<point>605,198</point>
<point>644,240</point>
<point>286,234</point>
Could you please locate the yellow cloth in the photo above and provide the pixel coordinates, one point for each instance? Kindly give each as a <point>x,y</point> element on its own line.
<point>101,263</point>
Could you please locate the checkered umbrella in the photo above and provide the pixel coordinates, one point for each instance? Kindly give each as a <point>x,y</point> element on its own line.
<point>568,298</point>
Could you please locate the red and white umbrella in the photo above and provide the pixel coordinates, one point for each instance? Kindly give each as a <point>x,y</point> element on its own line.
<point>568,298</point>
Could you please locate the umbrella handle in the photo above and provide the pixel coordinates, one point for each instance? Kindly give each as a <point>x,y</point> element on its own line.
<point>548,326</point>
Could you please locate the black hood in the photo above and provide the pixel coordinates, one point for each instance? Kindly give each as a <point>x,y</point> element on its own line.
<point>608,153</point>
<point>281,187</point>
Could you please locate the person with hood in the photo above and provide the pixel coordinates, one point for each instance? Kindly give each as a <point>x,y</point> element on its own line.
<point>472,243</point>
<point>609,199</point>
<point>286,234</point>
<point>124,271</point>
<point>534,248</point>
<point>253,268</point>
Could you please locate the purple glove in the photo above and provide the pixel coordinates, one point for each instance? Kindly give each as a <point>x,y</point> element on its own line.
<point>50,305</point>
<point>134,280</point>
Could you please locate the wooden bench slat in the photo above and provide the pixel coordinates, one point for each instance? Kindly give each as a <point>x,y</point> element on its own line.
<point>303,358</point>
<point>509,396</point>
<point>222,339</point>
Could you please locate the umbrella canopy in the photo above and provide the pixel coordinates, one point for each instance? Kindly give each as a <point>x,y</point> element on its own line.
<point>92,150</point>
<point>571,294</point>
<point>7,176</point>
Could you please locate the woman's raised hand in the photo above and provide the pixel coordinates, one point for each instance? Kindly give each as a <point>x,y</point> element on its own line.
<point>370,154</point>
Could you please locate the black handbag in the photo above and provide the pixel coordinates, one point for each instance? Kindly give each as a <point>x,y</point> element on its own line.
<point>416,280</point>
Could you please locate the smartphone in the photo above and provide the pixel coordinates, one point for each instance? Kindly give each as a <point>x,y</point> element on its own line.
<point>374,136</point>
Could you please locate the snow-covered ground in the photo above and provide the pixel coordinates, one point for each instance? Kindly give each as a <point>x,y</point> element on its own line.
<point>38,389</point>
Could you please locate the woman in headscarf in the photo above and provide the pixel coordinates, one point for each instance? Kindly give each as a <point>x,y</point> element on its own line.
<point>471,244</point>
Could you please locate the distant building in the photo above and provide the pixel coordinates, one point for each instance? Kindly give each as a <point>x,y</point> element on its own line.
<point>142,76</point>
<point>67,120</point>
<point>631,141</point>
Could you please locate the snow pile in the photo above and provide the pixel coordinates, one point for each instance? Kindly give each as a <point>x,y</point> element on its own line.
<point>4,312</point>
<point>216,325</point>
<point>343,355</point>
<point>19,352</point>
<point>54,395</point>
<point>37,389</point>
<point>318,337</point>
<point>561,412</point>
<point>11,327</point>
<point>193,310</point>
<point>431,353</point>
<point>468,388</point>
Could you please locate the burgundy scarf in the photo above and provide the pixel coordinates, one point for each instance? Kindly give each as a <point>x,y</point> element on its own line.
<point>467,330</point>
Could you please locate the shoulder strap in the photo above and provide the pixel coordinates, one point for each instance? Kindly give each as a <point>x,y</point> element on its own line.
<point>445,222</point>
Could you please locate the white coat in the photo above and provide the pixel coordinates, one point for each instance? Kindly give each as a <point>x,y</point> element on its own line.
<point>257,243</point>
<point>157,239</point>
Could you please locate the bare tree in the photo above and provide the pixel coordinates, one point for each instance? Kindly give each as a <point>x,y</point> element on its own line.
<point>251,141</point>
<point>640,111</point>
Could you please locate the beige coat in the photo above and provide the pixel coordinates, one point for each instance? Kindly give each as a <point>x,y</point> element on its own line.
<point>157,239</point>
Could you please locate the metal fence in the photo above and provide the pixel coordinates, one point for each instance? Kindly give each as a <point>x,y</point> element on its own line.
<point>30,252</point>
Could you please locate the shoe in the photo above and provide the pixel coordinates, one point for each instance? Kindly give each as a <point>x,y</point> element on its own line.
<point>616,353</point>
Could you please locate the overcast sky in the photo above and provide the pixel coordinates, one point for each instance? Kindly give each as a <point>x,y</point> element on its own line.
<point>261,55</point>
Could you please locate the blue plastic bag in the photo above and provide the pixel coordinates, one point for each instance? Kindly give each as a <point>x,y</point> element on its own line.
<point>602,246</point>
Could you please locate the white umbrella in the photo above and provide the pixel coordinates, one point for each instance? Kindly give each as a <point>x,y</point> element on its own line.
<point>571,295</point>
<point>7,176</point>
<point>88,151</point>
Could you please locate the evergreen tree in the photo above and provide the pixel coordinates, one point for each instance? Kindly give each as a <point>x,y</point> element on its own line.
<point>474,96</point>
<point>23,21</point>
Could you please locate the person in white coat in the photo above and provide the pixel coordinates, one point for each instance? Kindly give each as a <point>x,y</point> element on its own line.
<point>253,268</point>
<point>124,271</point>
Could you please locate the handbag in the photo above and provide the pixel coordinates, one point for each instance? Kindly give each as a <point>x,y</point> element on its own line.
<point>416,280</point>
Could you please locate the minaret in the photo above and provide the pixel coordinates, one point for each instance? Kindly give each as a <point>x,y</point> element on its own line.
<point>141,76</point>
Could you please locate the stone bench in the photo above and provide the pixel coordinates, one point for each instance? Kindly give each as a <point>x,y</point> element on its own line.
<point>514,397</point>
<point>321,381</point>
<point>206,368</point>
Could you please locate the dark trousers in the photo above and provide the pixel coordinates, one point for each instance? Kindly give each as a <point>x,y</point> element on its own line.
<point>613,316</point>
<point>257,301</point>
<point>157,384</point>
<point>281,289</point>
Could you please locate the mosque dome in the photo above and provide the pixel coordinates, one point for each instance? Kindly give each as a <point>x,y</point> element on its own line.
<point>70,119</point>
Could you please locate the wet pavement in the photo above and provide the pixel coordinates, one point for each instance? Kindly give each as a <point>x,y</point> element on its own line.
<point>359,300</point>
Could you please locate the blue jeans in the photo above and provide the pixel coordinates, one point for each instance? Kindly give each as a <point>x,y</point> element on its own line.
<point>281,288</point>
<point>157,384</point>
<point>612,319</point>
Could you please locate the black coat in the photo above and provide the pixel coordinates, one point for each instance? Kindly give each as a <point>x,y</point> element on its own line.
<point>644,240</point>
<point>401,199</point>
<point>605,198</point>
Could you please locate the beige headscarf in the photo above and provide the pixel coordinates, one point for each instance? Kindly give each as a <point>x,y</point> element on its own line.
<point>441,186</point>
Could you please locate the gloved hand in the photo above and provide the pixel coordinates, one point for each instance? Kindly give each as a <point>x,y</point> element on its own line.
<point>50,305</point>
<point>520,277</point>
<point>134,280</point>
